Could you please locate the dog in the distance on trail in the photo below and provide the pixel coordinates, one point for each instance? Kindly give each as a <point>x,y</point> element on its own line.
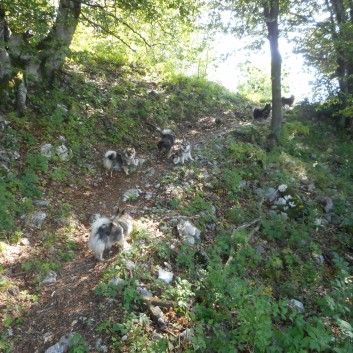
<point>287,101</point>
<point>115,161</point>
<point>107,231</point>
<point>166,143</point>
<point>183,153</point>
<point>262,113</point>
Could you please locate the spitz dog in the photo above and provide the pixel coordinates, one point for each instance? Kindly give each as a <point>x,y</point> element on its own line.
<point>107,231</point>
<point>165,145</point>
<point>287,101</point>
<point>183,153</point>
<point>262,113</point>
<point>115,161</point>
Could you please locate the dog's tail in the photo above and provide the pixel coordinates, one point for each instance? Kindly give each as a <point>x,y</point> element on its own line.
<point>96,244</point>
<point>110,155</point>
<point>167,132</point>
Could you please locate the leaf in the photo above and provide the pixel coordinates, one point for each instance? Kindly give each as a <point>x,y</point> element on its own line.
<point>345,327</point>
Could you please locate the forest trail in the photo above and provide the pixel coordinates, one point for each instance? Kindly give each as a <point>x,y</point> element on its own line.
<point>70,304</point>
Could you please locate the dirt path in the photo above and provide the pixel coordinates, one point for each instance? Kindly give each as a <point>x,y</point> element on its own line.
<point>70,304</point>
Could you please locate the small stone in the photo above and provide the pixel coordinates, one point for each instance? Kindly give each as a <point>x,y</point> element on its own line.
<point>47,150</point>
<point>129,264</point>
<point>188,230</point>
<point>143,291</point>
<point>36,219</point>
<point>25,242</point>
<point>99,347</point>
<point>156,336</point>
<point>62,152</point>
<point>165,276</point>
<point>149,195</point>
<point>116,281</point>
<point>270,194</point>
<point>187,335</point>
<point>320,260</point>
<point>296,305</point>
<point>48,337</point>
<point>282,188</point>
<point>131,195</point>
<point>41,203</point>
<point>49,279</point>
<point>260,250</point>
<point>62,346</point>
<point>168,266</point>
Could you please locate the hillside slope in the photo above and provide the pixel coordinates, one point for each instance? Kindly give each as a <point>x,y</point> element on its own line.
<point>265,266</point>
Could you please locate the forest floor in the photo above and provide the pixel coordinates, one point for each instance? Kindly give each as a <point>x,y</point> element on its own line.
<point>70,303</point>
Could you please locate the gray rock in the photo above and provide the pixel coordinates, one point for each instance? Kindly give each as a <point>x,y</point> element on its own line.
<point>130,265</point>
<point>62,107</point>
<point>41,203</point>
<point>131,194</point>
<point>320,260</point>
<point>36,219</point>
<point>150,172</point>
<point>187,335</point>
<point>148,195</point>
<point>116,281</point>
<point>165,276</point>
<point>47,150</point>
<point>143,291</point>
<point>25,242</point>
<point>49,279</point>
<point>189,231</point>
<point>62,346</point>
<point>62,152</point>
<point>296,305</point>
<point>260,250</point>
<point>157,336</point>
<point>270,194</point>
<point>99,347</point>
<point>14,155</point>
<point>329,205</point>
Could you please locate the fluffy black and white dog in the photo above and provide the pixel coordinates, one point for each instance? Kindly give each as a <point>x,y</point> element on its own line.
<point>107,231</point>
<point>262,113</point>
<point>183,153</point>
<point>165,145</point>
<point>115,161</point>
<point>287,101</point>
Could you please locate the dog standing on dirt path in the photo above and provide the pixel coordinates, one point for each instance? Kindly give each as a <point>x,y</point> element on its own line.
<point>107,231</point>
<point>115,161</point>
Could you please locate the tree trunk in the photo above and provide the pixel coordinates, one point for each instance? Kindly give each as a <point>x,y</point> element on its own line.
<point>5,62</point>
<point>39,63</point>
<point>271,10</point>
<point>53,49</point>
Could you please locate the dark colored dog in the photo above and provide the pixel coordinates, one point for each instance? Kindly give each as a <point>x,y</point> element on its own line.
<point>287,101</point>
<point>262,113</point>
<point>165,145</point>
